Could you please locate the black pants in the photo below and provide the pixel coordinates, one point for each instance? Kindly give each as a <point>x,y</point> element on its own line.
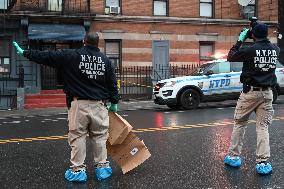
<point>69,99</point>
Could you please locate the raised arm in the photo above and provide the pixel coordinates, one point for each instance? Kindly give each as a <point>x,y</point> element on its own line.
<point>236,53</point>
<point>50,58</point>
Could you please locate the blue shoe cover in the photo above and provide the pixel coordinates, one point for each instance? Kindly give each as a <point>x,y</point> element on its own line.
<point>103,173</point>
<point>263,168</point>
<point>233,161</point>
<point>78,176</point>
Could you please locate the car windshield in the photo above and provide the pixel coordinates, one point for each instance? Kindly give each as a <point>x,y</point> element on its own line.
<point>202,69</point>
<point>236,66</point>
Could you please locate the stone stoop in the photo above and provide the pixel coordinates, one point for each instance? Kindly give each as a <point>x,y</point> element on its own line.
<point>46,99</point>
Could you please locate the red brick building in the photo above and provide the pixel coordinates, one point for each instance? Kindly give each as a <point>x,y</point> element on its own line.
<point>191,30</point>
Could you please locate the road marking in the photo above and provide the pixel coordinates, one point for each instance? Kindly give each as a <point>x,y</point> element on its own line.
<point>154,129</point>
<point>16,122</point>
<point>17,140</point>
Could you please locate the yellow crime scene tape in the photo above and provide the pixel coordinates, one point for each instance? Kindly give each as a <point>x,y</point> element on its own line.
<point>132,83</point>
<point>154,129</point>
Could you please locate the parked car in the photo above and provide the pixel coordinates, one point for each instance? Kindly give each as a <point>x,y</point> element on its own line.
<point>214,81</point>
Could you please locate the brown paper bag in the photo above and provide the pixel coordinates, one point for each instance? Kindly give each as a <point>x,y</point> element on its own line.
<point>130,153</point>
<point>118,128</point>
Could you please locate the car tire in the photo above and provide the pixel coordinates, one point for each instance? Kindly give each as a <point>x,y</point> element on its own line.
<point>190,99</point>
<point>174,107</point>
<point>275,95</point>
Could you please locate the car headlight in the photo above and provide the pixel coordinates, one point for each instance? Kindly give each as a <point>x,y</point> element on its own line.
<point>170,84</point>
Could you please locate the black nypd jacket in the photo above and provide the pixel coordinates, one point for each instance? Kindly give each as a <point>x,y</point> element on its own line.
<point>87,73</point>
<point>259,62</point>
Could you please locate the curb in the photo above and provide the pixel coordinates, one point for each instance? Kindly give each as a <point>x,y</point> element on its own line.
<point>123,106</point>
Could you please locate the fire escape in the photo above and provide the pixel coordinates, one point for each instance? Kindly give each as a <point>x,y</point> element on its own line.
<point>5,7</point>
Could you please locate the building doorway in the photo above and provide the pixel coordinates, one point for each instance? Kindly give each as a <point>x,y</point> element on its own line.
<point>160,59</point>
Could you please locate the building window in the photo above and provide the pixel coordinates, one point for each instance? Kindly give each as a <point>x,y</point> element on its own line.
<point>249,10</point>
<point>55,5</point>
<point>112,3</point>
<point>3,5</point>
<point>113,52</point>
<point>160,7</point>
<point>5,57</point>
<point>206,51</point>
<point>206,8</point>
<point>112,7</point>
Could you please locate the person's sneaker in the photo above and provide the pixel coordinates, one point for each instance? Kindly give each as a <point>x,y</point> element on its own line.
<point>103,171</point>
<point>233,161</point>
<point>77,176</point>
<point>263,168</point>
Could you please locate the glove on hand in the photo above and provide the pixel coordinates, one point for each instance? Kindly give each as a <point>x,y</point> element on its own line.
<point>243,35</point>
<point>113,108</point>
<point>19,50</point>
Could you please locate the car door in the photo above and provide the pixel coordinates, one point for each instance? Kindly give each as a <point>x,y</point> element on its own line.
<point>220,80</point>
<point>280,75</point>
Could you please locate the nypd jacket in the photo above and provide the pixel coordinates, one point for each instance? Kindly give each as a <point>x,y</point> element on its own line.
<point>259,62</point>
<point>87,73</point>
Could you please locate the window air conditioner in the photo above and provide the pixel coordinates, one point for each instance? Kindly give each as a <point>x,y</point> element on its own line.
<point>114,10</point>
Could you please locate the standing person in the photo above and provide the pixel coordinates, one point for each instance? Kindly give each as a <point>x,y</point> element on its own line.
<point>258,78</point>
<point>90,79</point>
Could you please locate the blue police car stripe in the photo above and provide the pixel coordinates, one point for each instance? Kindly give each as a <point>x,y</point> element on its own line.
<point>207,77</point>
<point>223,89</point>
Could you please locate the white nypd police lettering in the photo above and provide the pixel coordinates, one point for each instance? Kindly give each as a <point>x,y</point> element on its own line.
<point>214,81</point>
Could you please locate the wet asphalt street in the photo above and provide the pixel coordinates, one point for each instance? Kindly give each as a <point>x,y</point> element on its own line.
<point>187,150</point>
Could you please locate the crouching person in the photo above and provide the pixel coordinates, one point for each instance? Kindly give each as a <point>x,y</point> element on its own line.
<point>90,78</point>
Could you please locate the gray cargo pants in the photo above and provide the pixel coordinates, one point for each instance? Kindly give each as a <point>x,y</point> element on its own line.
<point>87,117</point>
<point>261,103</point>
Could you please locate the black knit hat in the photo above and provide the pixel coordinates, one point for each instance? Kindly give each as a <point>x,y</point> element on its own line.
<point>260,30</point>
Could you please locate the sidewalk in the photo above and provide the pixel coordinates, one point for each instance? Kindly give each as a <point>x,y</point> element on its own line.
<point>123,106</point>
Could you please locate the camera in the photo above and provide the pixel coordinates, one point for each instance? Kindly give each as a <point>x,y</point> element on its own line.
<point>253,23</point>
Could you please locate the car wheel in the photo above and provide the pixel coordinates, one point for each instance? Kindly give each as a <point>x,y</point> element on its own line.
<point>190,99</point>
<point>275,95</point>
<point>174,107</point>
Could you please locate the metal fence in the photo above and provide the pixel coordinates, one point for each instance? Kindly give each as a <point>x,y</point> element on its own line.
<point>59,6</point>
<point>8,89</point>
<point>136,82</point>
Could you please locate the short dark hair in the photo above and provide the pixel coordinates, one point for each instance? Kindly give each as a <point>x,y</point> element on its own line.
<point>92,39</point>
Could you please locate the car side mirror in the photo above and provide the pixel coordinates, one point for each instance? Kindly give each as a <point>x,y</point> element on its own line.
<point>209,72</point>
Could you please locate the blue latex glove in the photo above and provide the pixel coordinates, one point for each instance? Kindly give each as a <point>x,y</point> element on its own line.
<point>113,108</point>
<point>243,35</point>
<point>19,50</point>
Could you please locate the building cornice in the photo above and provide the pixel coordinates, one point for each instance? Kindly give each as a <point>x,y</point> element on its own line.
<point>135,19</point>
<point>176,20</point>
<point>53,15</point>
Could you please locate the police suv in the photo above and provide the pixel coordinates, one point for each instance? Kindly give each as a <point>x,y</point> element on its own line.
<point>214,81</point>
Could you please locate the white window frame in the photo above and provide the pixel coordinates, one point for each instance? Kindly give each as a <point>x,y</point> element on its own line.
<point>55,5</point>
<point>206,2</point>
<point>251,4</point>
<point>166,8</point>
<point>3,5</point>
<point>116,4</point>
